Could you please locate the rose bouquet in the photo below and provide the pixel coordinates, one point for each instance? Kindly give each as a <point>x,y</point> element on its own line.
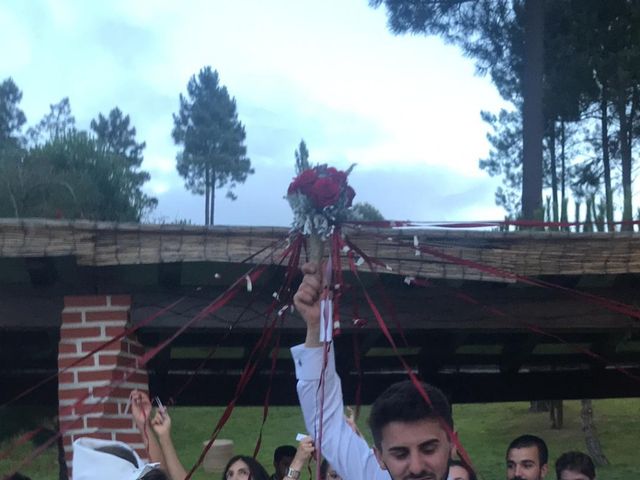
<point>320,198</point>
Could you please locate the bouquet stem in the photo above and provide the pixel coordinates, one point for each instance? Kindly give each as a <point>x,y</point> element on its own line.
<point>316,249</point>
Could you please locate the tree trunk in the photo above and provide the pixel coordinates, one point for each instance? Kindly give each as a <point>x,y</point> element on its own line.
<point>564,215</point>
<point>554,172</point>
<point>624,137</point>
<point>213,196</point>
<point>606,163</point>
<point>556,414</point>
<point>591,435</point>
<point>206,195</point>
<point>532,116</point>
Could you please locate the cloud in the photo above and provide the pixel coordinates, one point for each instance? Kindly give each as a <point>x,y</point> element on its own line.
<point>404,108</point>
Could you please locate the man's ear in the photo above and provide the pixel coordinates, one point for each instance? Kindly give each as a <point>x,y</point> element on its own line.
<point>378,455</point>
<point>544,470</point>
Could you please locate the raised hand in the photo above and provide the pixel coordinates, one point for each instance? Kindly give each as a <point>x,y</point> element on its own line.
<point>307,301</point>
<point>140,408</point>
<point>305,451</point>
<point>161,423</point>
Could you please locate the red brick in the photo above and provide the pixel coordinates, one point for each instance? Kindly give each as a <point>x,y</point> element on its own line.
<point>85,301</point>
<point>80,332</point>
<point>106,360</point>
<point>95,376</point>
<point>71,317</point>
<point>64,347</point>
<point>121,300</point>
<point>72,394</point>
<point>111,408</point>
<point>68,362</point>
<point>100,435</point>
<point>66,377</point>
<point>129,437</point>
<point>114,331</point>
<point>86,408</point>
<point>91,346</point>
<point>71,424</point>
<point>110,423</point>
<point>138,377</point>
<point>110,392</point>
<point>136,349</point>
<point>105,315</point>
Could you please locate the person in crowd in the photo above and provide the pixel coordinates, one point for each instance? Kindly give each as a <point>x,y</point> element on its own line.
<point>327,472</point>
<point>97,459</point>
<point>156,429</point>
<point>282,457</point>
<point>575,466</point>
<point>458,470</point>
<point>242,467</point>
<point>527,458</point>
<point>411,436</point>
<point>303,454</point>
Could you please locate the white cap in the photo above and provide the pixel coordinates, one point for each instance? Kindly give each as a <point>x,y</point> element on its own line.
<point>91,464</point>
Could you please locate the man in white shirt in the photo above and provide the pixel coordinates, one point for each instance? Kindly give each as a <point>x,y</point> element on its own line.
<point>410,436</point>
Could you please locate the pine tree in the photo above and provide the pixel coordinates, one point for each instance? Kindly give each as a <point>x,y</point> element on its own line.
<point>212,138</point>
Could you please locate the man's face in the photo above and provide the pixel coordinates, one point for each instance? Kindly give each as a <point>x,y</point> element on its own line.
<point>524,464</point>
<point>282,466</point>
<point>415,450</point>
<point>573,475</point>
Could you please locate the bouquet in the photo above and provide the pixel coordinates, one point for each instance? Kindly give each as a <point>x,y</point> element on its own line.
<point>320,198</point>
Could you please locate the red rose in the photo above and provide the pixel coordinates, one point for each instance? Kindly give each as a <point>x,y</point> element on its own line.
<point>325,192</point>
<point>349,194</point>
<point>337,175</point>
<point>303,182</point>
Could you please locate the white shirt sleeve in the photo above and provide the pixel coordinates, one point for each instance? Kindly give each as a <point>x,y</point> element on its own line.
<point>345,451</point>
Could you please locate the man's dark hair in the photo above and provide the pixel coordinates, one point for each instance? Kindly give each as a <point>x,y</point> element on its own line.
<point>526,441</point>
<point>576,461</point>
<point>257,471</point>
<point>18,476</point>
<point>324,468</point>
<point>119,451</point>
<point>402,402</point>
<point>284,451</point>
<point>460,463</point>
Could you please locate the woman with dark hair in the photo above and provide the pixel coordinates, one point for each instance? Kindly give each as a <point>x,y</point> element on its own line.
<point>459,470</point>
<point>242,467</point>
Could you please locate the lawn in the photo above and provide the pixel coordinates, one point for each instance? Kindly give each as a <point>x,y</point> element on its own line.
<point>484,429</point>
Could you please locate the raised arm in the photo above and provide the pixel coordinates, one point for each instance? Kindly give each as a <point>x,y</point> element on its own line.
<point>141,411</point>
<point>348,453</point>
<point>161,424</point>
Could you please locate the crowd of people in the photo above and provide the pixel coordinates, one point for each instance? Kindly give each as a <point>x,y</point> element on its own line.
<point>412,438</point>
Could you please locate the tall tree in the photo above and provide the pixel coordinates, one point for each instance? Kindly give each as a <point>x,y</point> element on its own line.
<point>57,123</point>
<point>212,138</point>
<point>116,135</point>
<point>11,117</point>
<point>490,31</point>
<point>302,158</point>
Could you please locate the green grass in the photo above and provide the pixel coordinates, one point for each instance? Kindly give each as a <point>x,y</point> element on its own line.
<point>484,429</point>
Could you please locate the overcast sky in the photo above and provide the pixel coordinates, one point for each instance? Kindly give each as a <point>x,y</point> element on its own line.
<point>405,109</point>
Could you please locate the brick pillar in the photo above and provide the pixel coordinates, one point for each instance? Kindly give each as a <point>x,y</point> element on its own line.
<point>87,322</point>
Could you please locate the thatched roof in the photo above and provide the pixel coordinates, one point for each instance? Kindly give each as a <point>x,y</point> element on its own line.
<point>527,253</point>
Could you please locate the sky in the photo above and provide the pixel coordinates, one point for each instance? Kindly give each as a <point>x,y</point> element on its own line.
<point>405,109</point>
